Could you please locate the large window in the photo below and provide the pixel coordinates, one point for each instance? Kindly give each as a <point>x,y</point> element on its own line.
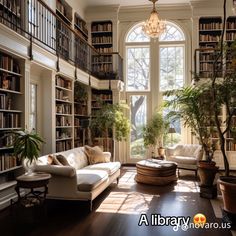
<point>145,84</point>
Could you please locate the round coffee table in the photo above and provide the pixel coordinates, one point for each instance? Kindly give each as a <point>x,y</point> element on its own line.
<point>156,172</point>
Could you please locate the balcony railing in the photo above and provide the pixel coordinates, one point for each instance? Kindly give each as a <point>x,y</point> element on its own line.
<point>34,20</point>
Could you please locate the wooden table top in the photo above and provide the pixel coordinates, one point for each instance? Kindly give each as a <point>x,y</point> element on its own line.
<point>36,176</point>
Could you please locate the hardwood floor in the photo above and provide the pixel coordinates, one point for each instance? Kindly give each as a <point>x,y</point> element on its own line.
<point>116,212</point>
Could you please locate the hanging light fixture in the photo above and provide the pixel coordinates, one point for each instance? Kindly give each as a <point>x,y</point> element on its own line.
<point>154,27</point>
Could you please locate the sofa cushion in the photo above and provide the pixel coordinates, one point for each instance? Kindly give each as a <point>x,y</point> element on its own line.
<point>94,154</point>
<point>187,150</point>
<point>76,157</point>
<point>183,160</point>
<point>87,180</point>
<point>109,167</point>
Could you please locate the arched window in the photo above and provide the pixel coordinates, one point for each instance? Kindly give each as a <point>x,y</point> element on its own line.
<point>145,84</point>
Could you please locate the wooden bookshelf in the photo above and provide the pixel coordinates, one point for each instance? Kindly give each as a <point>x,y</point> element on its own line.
<point>210,29</point>
<point>64,111</point>
<point>11,116</point>
<point>102,40</point>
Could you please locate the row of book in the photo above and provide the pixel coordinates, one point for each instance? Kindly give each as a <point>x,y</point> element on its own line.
<point>62,95</point>
<point>208,66</point>
<point>211,56</point>
<point>63,134</point>
<point>63,82</point>
<point>102,67</point>
<point>5,102</point>
<point>102,39</point>
<point>209,38</point>
<point>63,121</point>
<point>230,36</point>
<point>7,161</point>
<point>80,110</point>
<point>104,49</point>
<point>107,58</point>
<point>230,146</point>
<point>8,63</point>
<point>210,26</point>
<point>231,25</point>
<point>63,145</point>
<point>63,109</point>
<point>6,141</point>
<point>102,27</point>
<point>102,96</point>
<point>9,120</point>
<point>9,82</point>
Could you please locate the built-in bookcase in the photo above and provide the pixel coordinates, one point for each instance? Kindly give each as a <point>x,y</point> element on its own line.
<point>64,113</point>
<point>11,118</point>
<point>102,40</point>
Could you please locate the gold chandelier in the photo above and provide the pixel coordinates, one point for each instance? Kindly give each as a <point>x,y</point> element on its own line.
<point>154,27</point>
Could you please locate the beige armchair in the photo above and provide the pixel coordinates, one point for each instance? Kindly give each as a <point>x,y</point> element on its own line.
<point>186,156</point>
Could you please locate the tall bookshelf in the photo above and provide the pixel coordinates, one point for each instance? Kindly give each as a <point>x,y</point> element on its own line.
<point>102,40</point>
<point>11,118</point>
<point>81,118</point>
<point>11,11</point>
<point>99,97</point>
<point>64,113</point>
<point>210,29</point>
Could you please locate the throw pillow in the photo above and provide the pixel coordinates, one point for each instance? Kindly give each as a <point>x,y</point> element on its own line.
<point>62,160</point>
<point>94,154</point>
<point>52,160</point>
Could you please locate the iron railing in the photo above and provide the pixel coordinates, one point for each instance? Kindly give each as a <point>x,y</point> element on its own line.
<point>34,20</point>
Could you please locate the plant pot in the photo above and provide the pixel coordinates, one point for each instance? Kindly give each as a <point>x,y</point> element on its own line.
<point>228,189</point>
<point>207,172</point>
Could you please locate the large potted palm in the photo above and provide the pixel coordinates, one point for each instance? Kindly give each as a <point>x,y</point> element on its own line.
<point>154,132</point>
<point>27,148</point>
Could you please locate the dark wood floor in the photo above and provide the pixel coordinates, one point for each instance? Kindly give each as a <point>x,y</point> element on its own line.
<point>116,212</point>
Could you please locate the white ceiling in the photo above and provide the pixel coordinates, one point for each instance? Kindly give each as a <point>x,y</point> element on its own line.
<point>133,2</point>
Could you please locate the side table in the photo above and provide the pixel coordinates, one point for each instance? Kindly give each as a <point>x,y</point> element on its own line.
<point>36,180</point>
<point>31,207</point>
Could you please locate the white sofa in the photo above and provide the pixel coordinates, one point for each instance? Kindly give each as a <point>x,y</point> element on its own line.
<point>186,156</point>
<point>79,181</point>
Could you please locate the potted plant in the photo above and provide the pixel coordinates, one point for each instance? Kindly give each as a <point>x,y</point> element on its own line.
<point>110,119</point>
<point>154,132</point>
<point>27,148</point>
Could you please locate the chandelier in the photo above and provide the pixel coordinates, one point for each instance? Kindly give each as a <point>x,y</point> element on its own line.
<point>154,27</point>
